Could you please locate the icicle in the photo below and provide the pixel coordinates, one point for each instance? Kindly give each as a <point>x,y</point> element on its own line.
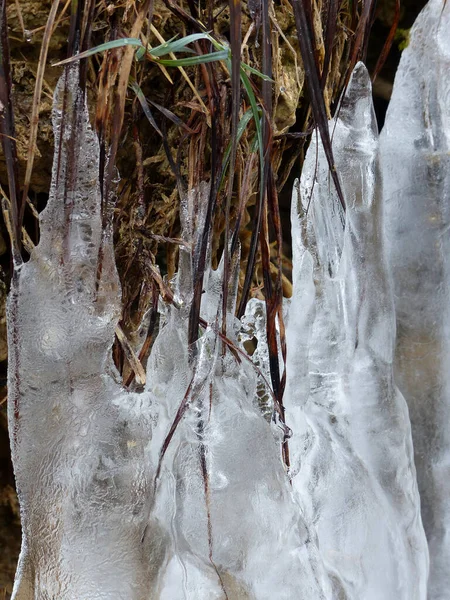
<point>351,449</point>
<point>236,531</point>
<point>78,439</point>
<point>415,160</point>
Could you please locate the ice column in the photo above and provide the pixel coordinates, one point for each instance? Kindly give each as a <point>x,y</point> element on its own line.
<point>352,459</point>
<point>415,160</point>
<point>78,439</point>
<point>237,531</point>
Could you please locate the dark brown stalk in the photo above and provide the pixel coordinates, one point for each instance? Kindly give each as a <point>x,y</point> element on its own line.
<point>330,34</point>
<point>8,135</point>
<point>200,252</point>
<point>143,354</point>
<point>236,38</point>
<point>388,43</point>
<point>184,16</point>
<point>253,245</point>
<point>307,49</point>
<point>273,294</point>
<point>266,94</point>
<point>275,310</point>
<point>359,46</point>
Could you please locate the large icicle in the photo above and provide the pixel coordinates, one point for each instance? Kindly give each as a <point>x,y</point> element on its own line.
<point>351,449</point>
<point>415,159</point>
<point>78,439</point>
<point>237,532</point>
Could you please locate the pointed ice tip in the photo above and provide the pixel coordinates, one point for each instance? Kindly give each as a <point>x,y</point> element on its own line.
<point>360,77</point>
<point>356,104</point>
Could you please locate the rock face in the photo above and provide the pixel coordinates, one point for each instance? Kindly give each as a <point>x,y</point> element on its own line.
<point>415,159</point>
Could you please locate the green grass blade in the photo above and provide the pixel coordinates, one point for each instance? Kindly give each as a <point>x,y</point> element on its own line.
<point>243,123</point>
<point>143,102</point>
<point>255,110</point>
<point>106,46</point>
<point>180,45</point>
<point>256,72</point>
<point>195,60</point>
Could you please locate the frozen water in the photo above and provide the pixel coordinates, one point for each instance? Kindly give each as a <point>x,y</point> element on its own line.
<point>180,493</point>
<point>352,463</point>
<point>78,439</point>
<point>237,532</point>
<point>415,159</point>
<point>119,498</point>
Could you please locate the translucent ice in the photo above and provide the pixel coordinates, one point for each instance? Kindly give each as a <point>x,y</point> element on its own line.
<point>415,160</point>
<point>180,493</point>
<point>78,439</point>
<point>177,493</point>
<point>352,462</point>
<point>237,532</point>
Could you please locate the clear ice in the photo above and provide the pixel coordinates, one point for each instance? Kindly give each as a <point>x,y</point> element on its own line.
<point>237,531</point>
<point>78,439</point>
<point>351,451</point>
<point>415,160</point>
<point>179,492</point>
<point>117,502</point>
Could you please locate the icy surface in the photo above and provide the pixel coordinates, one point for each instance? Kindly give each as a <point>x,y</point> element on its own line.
<point>237,531</point>
<point>78,439</point>
<point>179,492</point>
<point>121,499</point>
<point>415,159</point>
<point>351,451</point>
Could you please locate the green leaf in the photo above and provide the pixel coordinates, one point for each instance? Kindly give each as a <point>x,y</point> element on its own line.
<point>243,123</point>
<point>255,110</point>
<point>148,113</point>
<point>102,48</point>
<point>256,72</point>
<point>194,60</point>
<point>178,45</point>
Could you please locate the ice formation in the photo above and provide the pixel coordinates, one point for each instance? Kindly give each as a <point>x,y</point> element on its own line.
<point>237,531</point>
<point>116,502</point>
<point>415,159</point>
<point>352,458</point>
<point>78,439</point>
<point>179,492</point>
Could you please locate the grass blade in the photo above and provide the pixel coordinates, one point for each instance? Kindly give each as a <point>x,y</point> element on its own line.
<point>256,229</point>
<point>102,48</point>
<point>143,102</point>
<point>178,45</point>
<point>195,60</point>
<point>235,61</point>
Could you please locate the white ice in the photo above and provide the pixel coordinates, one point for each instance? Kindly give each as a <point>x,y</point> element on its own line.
<point>237,531</point>
<point>352,460</point>
<point>78,439</point>
<point>123,499</point>
<point>415,160</point>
